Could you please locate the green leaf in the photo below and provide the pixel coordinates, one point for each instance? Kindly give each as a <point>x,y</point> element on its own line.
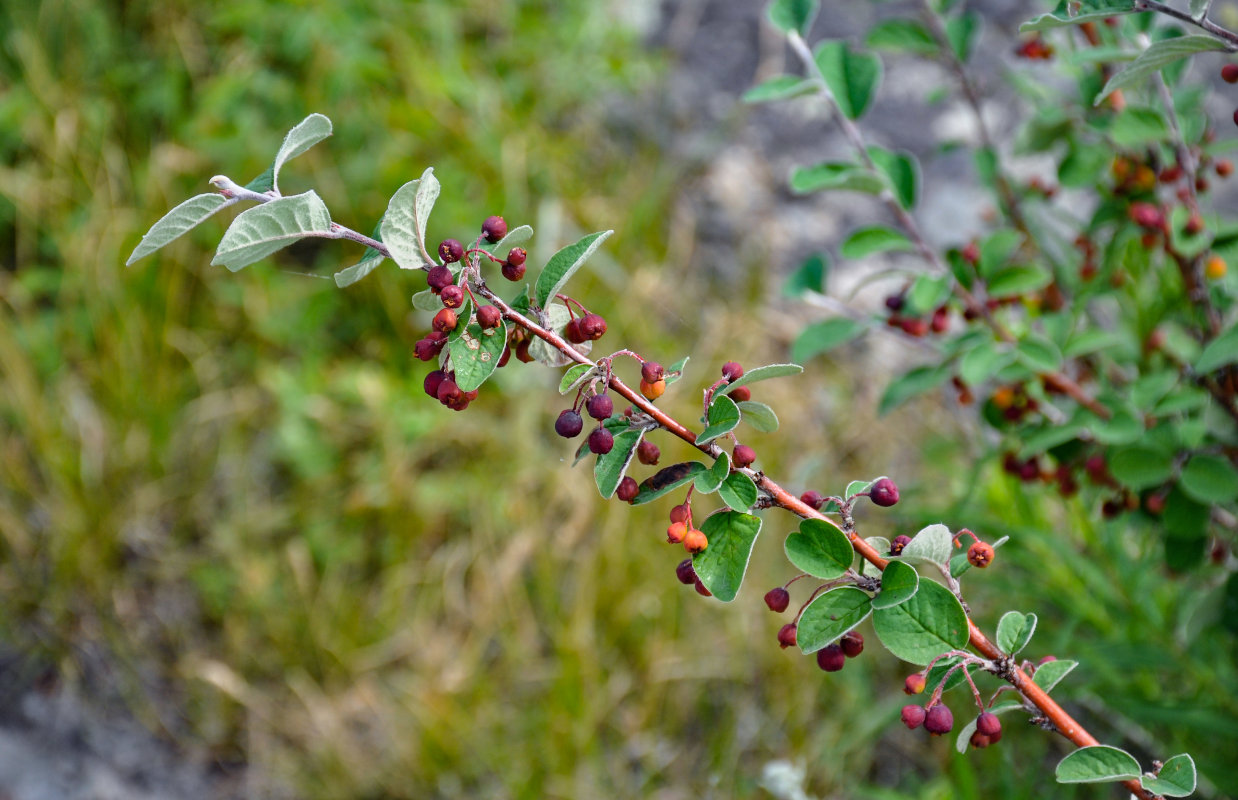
<point>855,487</point>
<point>177,222</point>
<point>1083,12</point>
<point>1140,467</point>
<point>760,416</point>
<point>912,383</point>
<point>369,261</point>
<point>997,250</point>
<point>307,133</point>
<point>721,567</point>
<point>1123,427</point>
<point>902,36</point>
<point>1199,9</point>
<point>1097,764</point>
<point>961,31</point>
<point>262,230</point>
<point>1091,340</point>
<point>793,15</point>
<point>563,264</point>
<point>852,76</point>
<point>778,88</point>
<point>1184,518</point>
<point>762,373</point>
<point>1050,673</point>
<point>902,171</point>
<point>738,491</point>
<point>667,480</point>
<point>709,481</point>
<point>821,337</point>
<point>1158,56</point>
<point>899,583</point>
<point>879,543</point>
<point>932,545</point>
<point>610,467</point>
<point>819,549</point>
<point>1210,479</point>
<point>1220,352</point>
<point>427,300</point>
<point>675,371</point>
<point>264,182</point>
<point>723,417</point>
<point>1038,354</point>
<point>575,375</point>
<point>1018,280</point>
<point>1014,631</point>
<point>983,362</point>
<point>874,239</point>
<point>831,615</point>
<point>404,224</point>
<point>926,294</point>
<point>810,277</point>
<point>1136,126</point>
<point>475,353</point>
<point>514,237</point>
<point>1177,776</point>
<point>924,627</point>
<point>835,175</point>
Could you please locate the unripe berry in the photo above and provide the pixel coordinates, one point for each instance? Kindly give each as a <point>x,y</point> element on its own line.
<point>1229,73</point>
<point>778,599</point>
<point>652,371</point>
<point>601,441</point>
<point>786,635</point>
<point>516,256</point>
<point>652,391</point>
<point>852,643</point>
<point>814,500</point>
<point>742,456</point>
<point>938,720</point>
<point>732,371</point>
<point>884,493</point>
<point>513,272</point>
<point>494,229</point>
<point>648,453</point>
<point>450,251</point>
<point>432,381</point>
<point>627,490</point>
<point>452,296</point>
<point>593,326</point>
<point>914,684</point>
<point>741,394</point>
<point>569,424</point>
<point>913,716</point>
<point>695,541</point>
<point>988,724</point>
<point>438,278</point>
<point>701,590</point>
<point>830,658</point>
<point>445,321</point>
<point>680,513</point>
<point>980,554</point>
<point>685,573</point>
<point>900,541</point>
<point>600,406</point>
<point>676,531</point>
<point>488,317</point>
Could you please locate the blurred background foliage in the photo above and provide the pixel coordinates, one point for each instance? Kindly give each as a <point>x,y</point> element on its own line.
<point>226,507</point>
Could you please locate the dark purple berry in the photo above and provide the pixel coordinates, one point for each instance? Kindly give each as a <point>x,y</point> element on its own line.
<point>988,724</point>
<point>913,716</point>
<point>592,326</point>
<point>894,302</point>
<point>777,599</point>
<point>830,658</point>
<point>426,349</point>
<point>786,635</point>
<point>938,720</point>
<point>627,489</point>
<point>648,453</point>
<point>652,371</point>
<point>732,371</point>
<point>516,256</point>
<point>685,573</point>
<point>569,424</point>
<point>814,500</point>
<point>439,278</point>
<point>488,317</point>
<point>900,541</point>
<point>572,331</point>
<point>513,272</point>
<point>852,643</point>
<point>452,296</point>
<point>600,406</point>
<point>494,229</point>
<point>601,441</point>
<point>450,251</point>
<point>701,590</point>
<point>884,493</point>
<point>432,381</point>
<point>742,456</point>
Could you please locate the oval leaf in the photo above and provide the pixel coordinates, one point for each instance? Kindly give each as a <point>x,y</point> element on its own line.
<point>824,336</point>
<point>925,626</point>
<point>475,353</point>
<point>932,545</point>
<point>1139,467</point>
<point>177,222</point>
<point>575,375</point>
<point>762,373</point>
<point>899,583</point>
<point>902,170</point>
<point>759,416</point>
<point>610,467</point>
<point>404,224</point>
<point>1220,352</point>
<point>1210,479</point>
<point>563,264</point>
<point>1050,673</point>
<point>723,417</point>
<point>370,259</point>
<point>1159,55</point>
<point>819,549</point>
<point>1014,631</point>
<point>830,616</point>
<point>778,88</point>
<point>835,175</point>
<point>879,543</point>
<point>1176,779</point>
<point>738,491</point>
<point>914,382</point>
<point>852,76</point>
<point>1097,764</point>
<point>873,239</point>
<point>260,231</point>
<point>793,15</point>
<point>709,481</point>
<point>1065,14</point>
<point>307,133</point>
<point>721,567</point>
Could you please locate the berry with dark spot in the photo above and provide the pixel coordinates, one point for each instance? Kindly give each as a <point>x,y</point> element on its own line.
<point>742,456</point>
<point>913,716</point>
<point>600,406</point>
<point>831,658</point>
<point>488,317</point>
<point>627,489</point>
<point>517,256</point>
<point>648,453</point>
<point>494,229</point>
<point>814,500</point>
<point>778,599</point>
<point>452,296</point>
<point>938,720</point>
<point>444,321</point>
<point>685,573</point>
<point>694,541</point>
<point>786,635</point>
<point>884,493</point>
<point>569,424</point>
<point>988,724</point>
<point>601,441</point>
<point>450,251</point>
<point>732,371</point>
<point>513,272</point>
<point>852,643</point>
<point>439,278</point>
<point>651,371</point>
<point>980,554</point>
<point>900,541</point>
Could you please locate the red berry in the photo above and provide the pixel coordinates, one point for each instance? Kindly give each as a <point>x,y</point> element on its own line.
<point>452,296</point>
<point>651,371</point>
<point>786,635</point>
<point>732,371</point>
<point>778,599</point>
<point>627,490</point>
<point>741,394</point>
<point>680,513</point>
<point>516,256</point>
<point>494,229</point>
<point>814,500</point>
<point>592,326</point>
<point>852,643</point>
<point>675,532</point>
<point>1229,73</point>
<point>488,317</point>
<point>884,493</point>
<point>701,590</point>
<point>694,541</point>
<point>572,331</point>
<point>439,278</point>
<point>569,424</point>
<point>685,573</point>
<point>900,541</point>
<point>601,441</point>
<point>648,453</point>
<point>988,724</point>
<point>938,720</point>
<point>444,321</point>
<point>1236,116</point>
<point>427,349</point>
<point>831,658</point>
<point>914,684</point>
<point>600,406</point>
<point>513,272</point>
<point>913,716</point>
<point>1224,168</point>
<point>742,456</point>
<point>433,379</point>
<point>448,392</point>
<point>1146,215</point>
<point>980,554</point>
<point>450,251</point>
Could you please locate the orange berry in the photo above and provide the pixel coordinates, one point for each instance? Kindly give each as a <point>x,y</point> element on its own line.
<point>1215,268</point>
<point>695,541</point>
<point>676,532</point>
<point>652,391</point>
